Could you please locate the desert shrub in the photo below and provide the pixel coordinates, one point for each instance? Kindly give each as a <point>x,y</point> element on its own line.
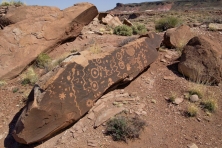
<point>139,29</point>
<point>43,60</point>
<point>12,3</point>
<point>210,105</point>
<point>172,97</point>
<point>14,90</point>
<point>192,111</point>
<point>29,77</point>
<point>196,92</point>
<point>2,83</point>
<point>123,30</point>
<point>95,48</point>
<point>167,23</point>
<point>123,128</point>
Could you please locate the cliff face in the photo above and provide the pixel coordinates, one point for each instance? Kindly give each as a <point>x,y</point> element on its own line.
<point>168,5</point>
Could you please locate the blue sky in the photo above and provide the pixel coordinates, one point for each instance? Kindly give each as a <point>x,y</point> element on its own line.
<point>102,5</point>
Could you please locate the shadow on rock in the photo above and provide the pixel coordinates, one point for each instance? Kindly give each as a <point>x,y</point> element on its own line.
<point>174,68</point>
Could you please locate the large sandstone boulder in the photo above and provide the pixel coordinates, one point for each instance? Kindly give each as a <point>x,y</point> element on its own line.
<point>67,93</point>
<point>22,42</point>
<point>177,37</point>
<point>27,12</point>
<point>109,19</point>
<point>201,60</point>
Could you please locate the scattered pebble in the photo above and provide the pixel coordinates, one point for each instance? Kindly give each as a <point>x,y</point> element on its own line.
<point>192,146</point>
<point>178,101</point>
<point>194,98</point>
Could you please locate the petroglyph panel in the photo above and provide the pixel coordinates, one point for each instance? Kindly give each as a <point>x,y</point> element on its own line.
<point>76,88</point>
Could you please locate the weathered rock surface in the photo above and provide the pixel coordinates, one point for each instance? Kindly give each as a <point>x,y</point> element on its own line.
<point>22,42</point>
<point>109,19</point>
<point>67,93</point>
<point>201,60</point>
<point>27,12</point>
<point>127,22</point>
<point>177,37</point>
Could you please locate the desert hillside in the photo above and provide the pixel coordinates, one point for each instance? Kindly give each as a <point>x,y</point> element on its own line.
<point>168,5</point>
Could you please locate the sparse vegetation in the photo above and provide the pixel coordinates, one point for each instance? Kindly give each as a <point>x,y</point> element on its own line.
<point>2,83</point>
<point>43,61</point>
<point>123,30</point>
<point>196,92</point>
<point>139,28</point>
<point>95,48</point>
<point>14,90</point>
<point>167,23</point>
<point>123,128</point>
<point>172,97</point>
<point>192,110</point>
<point>12,3</point>
<point>29,77</point>
<point>210,105</point>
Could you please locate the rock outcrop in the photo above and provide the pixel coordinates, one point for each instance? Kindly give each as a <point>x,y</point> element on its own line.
<point>109,19</point>
<point>201,60</point>
<point>23,41</point>
<point>29,12</point>
<point>177,37</point>
<point>67,93</point>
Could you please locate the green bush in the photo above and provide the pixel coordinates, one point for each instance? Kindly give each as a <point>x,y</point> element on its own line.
<point>192,111</point>
<point>167,23</point>
<point>210,105</point>
<point>121,128</point>
<point>123,30</point>
<point>43,60</point>
<point>29,77</point>
<point>11,3</point>
<point>139,29</point>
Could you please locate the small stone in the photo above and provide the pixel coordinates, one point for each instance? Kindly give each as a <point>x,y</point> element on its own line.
<point>115,103</point>
<point>198,119</point>
<point>133,94</point>
<point>153,101</point>
<point>91,116</point>
<point>178,101</point>
<point>163,60</point>
<point>168,56</point>
<point>144,113</point>
<point>125,102</point>
<point>92,143</point>
<point>194,98</point>
<point>120,105</point>
<point>192,146</point>
<point>171,78</point>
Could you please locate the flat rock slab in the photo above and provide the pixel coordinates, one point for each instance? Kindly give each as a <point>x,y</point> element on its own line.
<point>106,115</point>
<point>68,92</point>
